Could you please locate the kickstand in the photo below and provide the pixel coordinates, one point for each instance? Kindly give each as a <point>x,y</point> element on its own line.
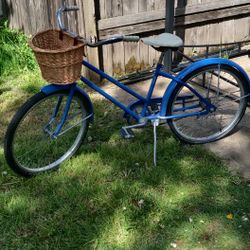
<point>155,124</point>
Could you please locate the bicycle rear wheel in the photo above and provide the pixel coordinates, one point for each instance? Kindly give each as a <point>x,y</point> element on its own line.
<point>29,146</point>
<point>221,85</point>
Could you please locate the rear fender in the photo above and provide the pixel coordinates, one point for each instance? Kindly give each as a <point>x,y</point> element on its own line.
<point>195,66</point>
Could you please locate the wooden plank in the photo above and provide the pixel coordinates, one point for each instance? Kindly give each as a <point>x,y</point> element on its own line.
<point>107,60</point>
<point>143,49</point>
<point>190,37</point>
<point>81,29</point>
<point>242,28</point>
<point>25,13</point>
<point>80,19</point>
<point>14,18</point>
<point>226,36</point>
<point>214,33</point>
<point>117,57</point>
<point>133,29</point>
<point>130,6</point>
<point>102,9</point>
<point>71,16</point>
<point>117,8</point>
<point>131,20</point>
<point>4,7</point>
<point>151,51</point>
<point>152,56</point>
<point>160,4</point>
<point>106,12</point>
<point>144,55</point>
<point>37,11</point>
<point>160,14</point>
<point>202,37</point>
<point>179,21</point>
<point>53,7</point>
<point>208,6</point>
<point>151,5</point>
<point>1,8</point>
<point>213,15</point>
<point>142,5</point>
<point>131,49</point>
<point>91,30</point>
<point>108,8</point>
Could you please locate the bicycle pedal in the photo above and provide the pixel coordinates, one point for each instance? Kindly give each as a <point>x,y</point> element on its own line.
<point>127,133</point>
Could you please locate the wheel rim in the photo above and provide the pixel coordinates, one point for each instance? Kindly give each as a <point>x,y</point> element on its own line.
<point>33,149</point>
<point>223,89</point>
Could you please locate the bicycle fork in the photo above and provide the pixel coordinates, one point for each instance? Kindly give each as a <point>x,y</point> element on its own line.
<point>57,132</point>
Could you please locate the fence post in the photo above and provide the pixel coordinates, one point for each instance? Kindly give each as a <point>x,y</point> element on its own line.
<point>169,27</point>
<point>1,8</point>
<point>91,31</point>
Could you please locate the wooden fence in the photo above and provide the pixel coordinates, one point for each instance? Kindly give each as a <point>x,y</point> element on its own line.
<point>196,21</point>
<point>1,9</point>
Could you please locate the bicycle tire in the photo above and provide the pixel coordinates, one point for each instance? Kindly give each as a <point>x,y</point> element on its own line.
<point>16,130</point>
<point>193,129</point>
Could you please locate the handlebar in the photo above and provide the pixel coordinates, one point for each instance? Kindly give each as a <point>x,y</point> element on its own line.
<point>110,40</point>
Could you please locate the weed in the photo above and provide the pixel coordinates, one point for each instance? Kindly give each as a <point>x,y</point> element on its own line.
<point>15,54</point>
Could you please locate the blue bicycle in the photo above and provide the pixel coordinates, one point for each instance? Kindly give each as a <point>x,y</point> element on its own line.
<point>203,103</point>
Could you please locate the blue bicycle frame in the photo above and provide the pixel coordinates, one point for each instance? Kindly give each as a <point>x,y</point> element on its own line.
<point>143,117</point>
<point>145,101</point>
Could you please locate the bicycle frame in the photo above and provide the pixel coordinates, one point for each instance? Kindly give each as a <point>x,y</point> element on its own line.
<point>145,101</point>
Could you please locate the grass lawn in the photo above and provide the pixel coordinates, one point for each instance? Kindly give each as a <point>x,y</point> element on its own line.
<point>109,196</point>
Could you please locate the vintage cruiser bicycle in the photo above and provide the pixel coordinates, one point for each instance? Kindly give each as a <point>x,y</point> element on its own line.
<point>203,103</point>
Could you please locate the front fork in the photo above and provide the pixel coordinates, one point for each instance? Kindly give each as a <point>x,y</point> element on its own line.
<point>65,114</point>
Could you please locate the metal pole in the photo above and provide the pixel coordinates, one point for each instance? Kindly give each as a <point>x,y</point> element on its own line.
<point>169,27</point>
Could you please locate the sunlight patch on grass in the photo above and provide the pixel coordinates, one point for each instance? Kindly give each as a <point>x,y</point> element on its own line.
<point>178,194</point>
<point>117,233</point>
<point>206,232</point>
<point>19,203</point>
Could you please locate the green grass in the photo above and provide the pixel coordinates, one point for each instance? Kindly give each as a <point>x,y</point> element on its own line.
<point>109,196</point>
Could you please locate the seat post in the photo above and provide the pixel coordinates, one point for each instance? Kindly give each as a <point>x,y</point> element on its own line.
<point>161,57</point>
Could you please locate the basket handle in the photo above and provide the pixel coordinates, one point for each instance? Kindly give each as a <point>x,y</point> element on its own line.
<point>61,35</point>
<point>75,42</point>
<point>61,25</point>
<point>59,14</point>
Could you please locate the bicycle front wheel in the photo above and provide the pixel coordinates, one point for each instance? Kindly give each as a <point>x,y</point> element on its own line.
<point>29,146</point>
<point>221,85</point>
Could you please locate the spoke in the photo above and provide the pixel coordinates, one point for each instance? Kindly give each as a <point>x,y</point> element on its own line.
<point>209,85</point>
<point>225,103</point>
<point>218,82</point>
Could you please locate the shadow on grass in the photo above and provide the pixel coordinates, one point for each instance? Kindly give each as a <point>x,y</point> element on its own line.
<point>109,196</point>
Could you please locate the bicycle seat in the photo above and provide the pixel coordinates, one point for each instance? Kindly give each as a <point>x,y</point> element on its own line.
<point>164,40</point>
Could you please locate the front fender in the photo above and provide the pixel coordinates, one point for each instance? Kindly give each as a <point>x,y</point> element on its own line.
<point>195,66</point>
<point>54,87</point>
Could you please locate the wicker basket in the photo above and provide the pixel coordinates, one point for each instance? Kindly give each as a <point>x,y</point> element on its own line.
<point>58,55</point>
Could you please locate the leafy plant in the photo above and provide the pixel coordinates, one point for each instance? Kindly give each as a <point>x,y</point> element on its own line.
<point>15,54</point>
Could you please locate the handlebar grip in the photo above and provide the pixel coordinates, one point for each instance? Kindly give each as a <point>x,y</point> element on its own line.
<point>131,38</point>
<point>71,8</point>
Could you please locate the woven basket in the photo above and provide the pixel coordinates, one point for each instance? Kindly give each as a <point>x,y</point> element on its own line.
<point>58,55</point>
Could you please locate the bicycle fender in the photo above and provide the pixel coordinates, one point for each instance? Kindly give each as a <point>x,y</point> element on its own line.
<point>53,88</point>
<point>194,66</point>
